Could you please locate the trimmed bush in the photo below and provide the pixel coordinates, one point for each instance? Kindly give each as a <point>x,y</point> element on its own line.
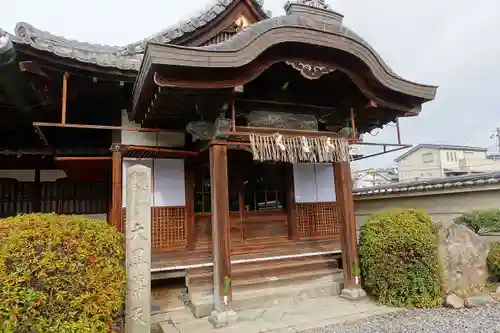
<point>60,274</point>
<point>399,259</point>
<point>481,221</point>
<point>494,262</point>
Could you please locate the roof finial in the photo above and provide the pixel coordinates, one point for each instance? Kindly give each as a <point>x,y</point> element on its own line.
<point>314,3</point>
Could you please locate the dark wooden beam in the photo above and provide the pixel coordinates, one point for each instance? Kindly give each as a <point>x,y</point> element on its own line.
<point>221,233</point>
<point>348,237</point>
<point>83,158</point>
<point>98,127</point>
<point>247,130</point>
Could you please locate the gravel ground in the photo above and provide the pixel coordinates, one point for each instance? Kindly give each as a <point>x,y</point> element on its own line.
<point>474,320</point>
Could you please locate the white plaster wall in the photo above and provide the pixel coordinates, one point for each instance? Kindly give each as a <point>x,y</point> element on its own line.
<point>29,175</point>
<point>168,182</point>
<point>149,139</point>
<point>451,164</point>
<point>443,207</point>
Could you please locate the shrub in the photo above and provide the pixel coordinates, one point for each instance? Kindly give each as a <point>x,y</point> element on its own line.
<point>494,262</point>
<point>60,274</point>
<point>399,259</point>
<point>481,221</point>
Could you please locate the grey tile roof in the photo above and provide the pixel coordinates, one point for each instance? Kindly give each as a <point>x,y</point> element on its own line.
<point>437,146</point>
<point>432,184</point>
<point>126,57</point>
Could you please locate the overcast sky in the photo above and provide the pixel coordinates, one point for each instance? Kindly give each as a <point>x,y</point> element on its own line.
<point>451,43</point>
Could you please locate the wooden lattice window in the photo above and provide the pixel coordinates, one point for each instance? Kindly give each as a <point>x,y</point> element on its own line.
<point>264,188</point>
<point>168,228</point>
<point>202,189</point>
<point>318,220</point>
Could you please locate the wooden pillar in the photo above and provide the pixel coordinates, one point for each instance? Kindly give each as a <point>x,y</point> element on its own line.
<point>116,188</point>
<point>221,236</point>
<point>348,240</point>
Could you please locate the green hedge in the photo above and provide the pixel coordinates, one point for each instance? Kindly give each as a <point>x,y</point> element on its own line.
<point>399,259</point>
<point>494,262</point>
<point>481,221</point>
<point>60,274</point>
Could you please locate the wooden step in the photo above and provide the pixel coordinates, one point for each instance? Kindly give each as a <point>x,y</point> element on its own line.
<point>271,268</point>
<point>273,279</point>
<point>258,263</point>
<point>254,276</point>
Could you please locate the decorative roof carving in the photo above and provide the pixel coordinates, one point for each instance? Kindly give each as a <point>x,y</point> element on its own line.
<point>311,71</point>
<point>127,57</point>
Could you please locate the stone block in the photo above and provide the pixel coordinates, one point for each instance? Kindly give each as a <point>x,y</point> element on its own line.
<point>454,301</point>
<point>202,305</point>
<point>220,319</point>
<point>463,254</point>
<point>166,328</point>
<point>353,294</point>
<point>479,300</point>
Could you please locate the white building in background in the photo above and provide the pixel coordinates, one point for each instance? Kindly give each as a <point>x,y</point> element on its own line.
<point>428,161</point>
<point>373,177</point>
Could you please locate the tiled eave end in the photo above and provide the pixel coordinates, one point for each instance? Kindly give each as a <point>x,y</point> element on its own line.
<point>421,187</point>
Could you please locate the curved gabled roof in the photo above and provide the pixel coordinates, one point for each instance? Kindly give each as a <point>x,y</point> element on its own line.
<point>127,57</point>
<point>315,34</point>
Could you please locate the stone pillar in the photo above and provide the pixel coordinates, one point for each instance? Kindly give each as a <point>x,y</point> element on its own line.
<point>221,239</point>
<point>348,238</point>
<point>138,250</point>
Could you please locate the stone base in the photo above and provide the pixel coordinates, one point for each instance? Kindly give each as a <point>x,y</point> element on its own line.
<point>353,294</point>
<point>202,304</point>
<point>222,319</point>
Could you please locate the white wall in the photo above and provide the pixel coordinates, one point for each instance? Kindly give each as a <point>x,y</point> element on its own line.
<point>443,205</point>
<point>413,166</point>
<point>149,139</point>
<point>448,160</point>
<point>168,180</point>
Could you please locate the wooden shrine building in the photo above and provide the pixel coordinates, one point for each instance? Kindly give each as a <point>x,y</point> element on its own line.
<point>245,121</point>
